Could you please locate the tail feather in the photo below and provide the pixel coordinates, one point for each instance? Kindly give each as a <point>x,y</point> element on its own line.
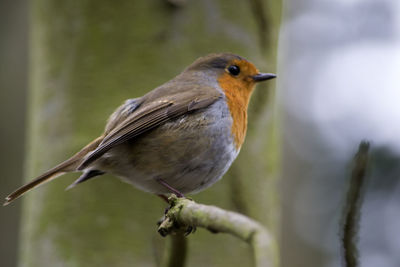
<point>69,165</point>
<point>44,178</point>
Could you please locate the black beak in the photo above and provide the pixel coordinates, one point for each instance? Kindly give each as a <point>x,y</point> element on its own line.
<point>263,77</point>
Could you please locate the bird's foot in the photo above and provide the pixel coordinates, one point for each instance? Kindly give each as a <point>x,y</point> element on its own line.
<point>170,188</point>
<point>168,223</point>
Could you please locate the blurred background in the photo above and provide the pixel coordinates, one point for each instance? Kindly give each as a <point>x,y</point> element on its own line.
<point>338,65</point>
<point>13,95</point>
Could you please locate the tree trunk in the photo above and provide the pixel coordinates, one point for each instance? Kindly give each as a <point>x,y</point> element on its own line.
<point>89,56</point>
<point>13,83</point>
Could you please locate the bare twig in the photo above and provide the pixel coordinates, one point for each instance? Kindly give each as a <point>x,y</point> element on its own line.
<point>353,207</point>
<point>185,213</point>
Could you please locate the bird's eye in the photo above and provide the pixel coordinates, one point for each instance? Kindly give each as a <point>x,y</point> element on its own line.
<point>234,70</point>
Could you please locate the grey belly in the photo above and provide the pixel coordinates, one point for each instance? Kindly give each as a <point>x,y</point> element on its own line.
<point>190,153</point>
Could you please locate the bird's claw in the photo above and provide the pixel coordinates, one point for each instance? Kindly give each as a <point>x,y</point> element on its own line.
<point>190,230</point>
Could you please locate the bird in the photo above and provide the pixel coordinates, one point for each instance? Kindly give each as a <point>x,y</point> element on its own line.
<point>179,138</point>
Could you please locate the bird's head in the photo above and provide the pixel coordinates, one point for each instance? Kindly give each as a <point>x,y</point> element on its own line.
<point>231,71</point>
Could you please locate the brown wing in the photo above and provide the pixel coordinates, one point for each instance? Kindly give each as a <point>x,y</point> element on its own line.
<point>151,115</point>
<point>122,112</point>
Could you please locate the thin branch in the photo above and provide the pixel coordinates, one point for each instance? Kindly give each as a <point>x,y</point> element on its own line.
<point>175,252</point>
<point>353,207</point>
<point>185,213</point>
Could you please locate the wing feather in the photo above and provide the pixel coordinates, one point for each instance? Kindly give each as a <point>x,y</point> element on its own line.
<point>149,116</point>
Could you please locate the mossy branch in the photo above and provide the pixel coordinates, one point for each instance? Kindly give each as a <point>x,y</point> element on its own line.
<point>185,213</point>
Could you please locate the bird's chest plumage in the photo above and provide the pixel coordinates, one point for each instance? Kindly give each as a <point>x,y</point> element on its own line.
<point>190,153</point>
<point>237,95</point>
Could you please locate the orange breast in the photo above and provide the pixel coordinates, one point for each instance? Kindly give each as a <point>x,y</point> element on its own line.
<point>237,93</point>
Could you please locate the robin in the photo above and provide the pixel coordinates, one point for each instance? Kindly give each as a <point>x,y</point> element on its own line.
<point>178,138</point>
